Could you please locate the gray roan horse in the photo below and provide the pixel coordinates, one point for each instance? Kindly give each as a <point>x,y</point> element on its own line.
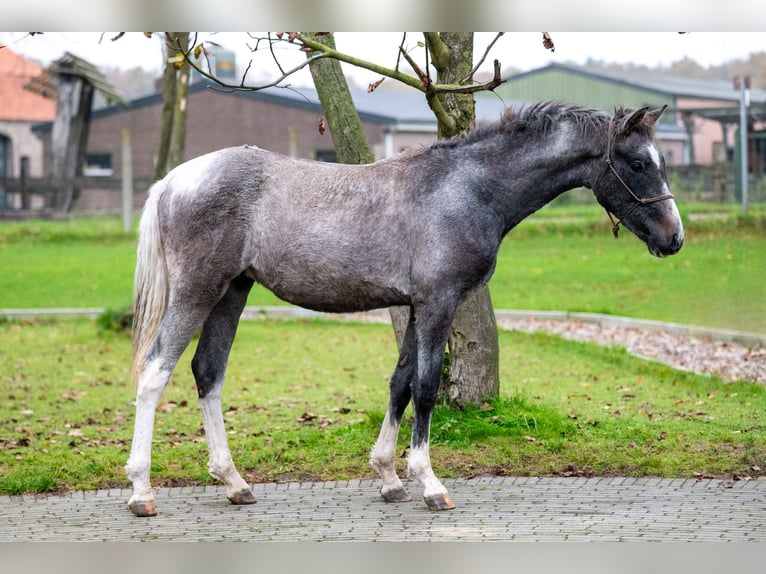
<point>421,229</point>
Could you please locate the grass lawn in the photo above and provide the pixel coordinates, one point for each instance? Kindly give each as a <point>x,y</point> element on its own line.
<point>304,400</point>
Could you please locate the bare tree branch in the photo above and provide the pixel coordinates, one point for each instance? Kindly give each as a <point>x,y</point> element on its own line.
<point>422,82</point>
<point>469,77</point>
<point>242,86</point>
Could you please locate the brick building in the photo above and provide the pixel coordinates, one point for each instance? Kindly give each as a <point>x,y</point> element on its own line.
<point>21,151</point>
<point>284,120</point>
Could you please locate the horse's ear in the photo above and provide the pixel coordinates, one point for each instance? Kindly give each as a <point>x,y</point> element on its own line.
<point>654,115</point>
<point>634,119</point>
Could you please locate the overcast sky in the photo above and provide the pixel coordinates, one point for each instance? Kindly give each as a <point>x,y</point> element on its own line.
<point>521,50</point>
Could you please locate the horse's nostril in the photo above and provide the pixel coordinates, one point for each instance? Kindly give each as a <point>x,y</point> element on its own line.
<point>676,242</point>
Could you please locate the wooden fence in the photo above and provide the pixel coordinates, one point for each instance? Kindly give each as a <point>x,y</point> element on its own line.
<point>43,197</point>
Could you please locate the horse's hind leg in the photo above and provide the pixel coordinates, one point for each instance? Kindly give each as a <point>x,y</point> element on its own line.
<point>209,368</point>
<point>175,332</point>
<point>383,453</point>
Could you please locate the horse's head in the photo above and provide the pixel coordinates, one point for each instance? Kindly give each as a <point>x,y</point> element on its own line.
<point>632,185</point>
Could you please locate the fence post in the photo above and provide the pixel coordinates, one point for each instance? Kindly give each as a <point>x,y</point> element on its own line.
<point>127,182</point>
<point>743,85</point>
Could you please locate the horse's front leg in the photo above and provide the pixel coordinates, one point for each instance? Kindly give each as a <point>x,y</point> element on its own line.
<point>383,454</point>
<point>432,331</point>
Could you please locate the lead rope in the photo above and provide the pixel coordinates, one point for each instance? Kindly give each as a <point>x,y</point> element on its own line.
<point>639,200</point>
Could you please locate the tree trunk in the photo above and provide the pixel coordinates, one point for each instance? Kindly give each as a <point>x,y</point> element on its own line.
<point>166,119</point>
<point>474,353</point>
<point>175,86</point>
<point>346,129</point>
<point>178,137</point>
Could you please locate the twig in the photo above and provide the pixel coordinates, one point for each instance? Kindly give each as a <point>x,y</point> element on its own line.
<point>481,61</point>
<point>425,81</point>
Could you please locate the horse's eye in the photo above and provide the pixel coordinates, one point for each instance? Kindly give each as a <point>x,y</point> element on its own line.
<point>637,166</point>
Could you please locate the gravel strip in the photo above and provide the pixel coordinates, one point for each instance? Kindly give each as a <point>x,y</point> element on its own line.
<point>730,361</point>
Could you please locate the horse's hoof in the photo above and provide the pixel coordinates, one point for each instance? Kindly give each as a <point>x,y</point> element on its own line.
<point>396,495</point>
<point>142,507</point>
<point>244,496</point>
<point>439,502</point>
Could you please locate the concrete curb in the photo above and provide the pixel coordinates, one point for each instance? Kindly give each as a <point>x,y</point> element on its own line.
<point>744,338</point>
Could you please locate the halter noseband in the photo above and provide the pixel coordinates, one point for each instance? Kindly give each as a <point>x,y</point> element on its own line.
<point>638,200</point>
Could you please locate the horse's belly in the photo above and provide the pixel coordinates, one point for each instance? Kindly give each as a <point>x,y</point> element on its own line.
<point>346,298</point>
<point>321,289</point>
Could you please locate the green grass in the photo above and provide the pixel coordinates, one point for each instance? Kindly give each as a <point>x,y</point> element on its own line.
<point>305,399</point>
<point>562,258</point>
<point>711,282</point>
<point>84,263</point>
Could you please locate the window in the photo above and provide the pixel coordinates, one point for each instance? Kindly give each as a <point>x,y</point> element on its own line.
<point>328,155</point>
<point>5,156</point>
<point>24,165</point>
<point>98,165</point>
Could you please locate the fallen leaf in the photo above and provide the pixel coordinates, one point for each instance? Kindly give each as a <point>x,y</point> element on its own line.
<point>306,417</point>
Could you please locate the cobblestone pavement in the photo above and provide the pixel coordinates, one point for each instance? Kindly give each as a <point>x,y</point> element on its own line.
<point>488,509</point>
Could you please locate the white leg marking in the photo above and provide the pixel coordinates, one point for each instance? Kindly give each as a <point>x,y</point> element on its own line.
<point>150,386</point>
<point>383,455</point>
<point>220,464</point>
<point>419,466</point>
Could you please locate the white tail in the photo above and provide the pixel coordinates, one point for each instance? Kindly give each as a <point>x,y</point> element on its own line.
<point>150,294</point>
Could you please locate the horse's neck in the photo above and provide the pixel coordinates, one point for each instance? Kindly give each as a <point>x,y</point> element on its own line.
<point>528,175</point>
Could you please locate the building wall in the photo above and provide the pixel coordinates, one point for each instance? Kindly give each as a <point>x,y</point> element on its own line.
<point>24,143</point>
<point>706,133</point>
<point>400,141</point>
<point>216,120</point>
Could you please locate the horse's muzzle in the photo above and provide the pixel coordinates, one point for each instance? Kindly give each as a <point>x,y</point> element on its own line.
<point>671,248</point>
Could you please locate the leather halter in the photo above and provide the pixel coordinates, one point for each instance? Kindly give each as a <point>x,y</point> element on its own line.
<point>638,200</point>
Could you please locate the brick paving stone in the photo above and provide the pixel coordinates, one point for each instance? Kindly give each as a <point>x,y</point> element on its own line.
<point>488,509</point>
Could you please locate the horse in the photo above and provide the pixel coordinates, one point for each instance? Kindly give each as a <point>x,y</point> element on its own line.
<point>420,229</point>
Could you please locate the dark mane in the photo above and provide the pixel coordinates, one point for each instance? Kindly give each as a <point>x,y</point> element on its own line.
<point>541,118</point>
<point>537,120</point>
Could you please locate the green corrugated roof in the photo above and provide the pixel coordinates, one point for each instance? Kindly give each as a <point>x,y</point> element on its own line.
<point>671,86</point>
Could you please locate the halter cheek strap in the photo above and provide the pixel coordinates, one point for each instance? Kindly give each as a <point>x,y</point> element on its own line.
<point>638,200</point>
